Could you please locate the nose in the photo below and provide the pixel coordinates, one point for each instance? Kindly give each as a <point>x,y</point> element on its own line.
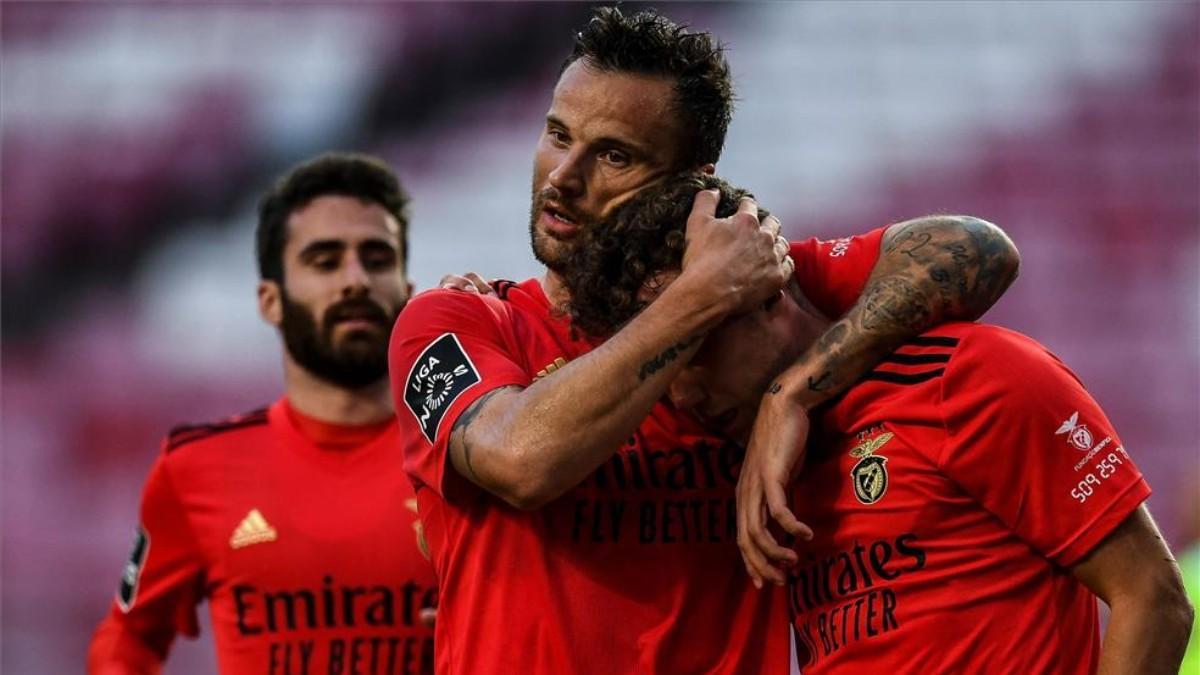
<point>355,279</point>
<point>685,391</point>
<point>567,175</point>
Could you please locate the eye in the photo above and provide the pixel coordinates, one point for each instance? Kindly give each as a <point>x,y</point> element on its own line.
<point>325,263</point>
<point>379,260</point>
<point>615,158</point>
<point>558,137</point>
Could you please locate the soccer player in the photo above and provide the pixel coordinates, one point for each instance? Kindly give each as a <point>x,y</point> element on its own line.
<point>578,524</point>
<point>295,522</point>
<point>968,500</point>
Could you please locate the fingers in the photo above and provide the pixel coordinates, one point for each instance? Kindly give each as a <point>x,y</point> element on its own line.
<point>782,247</point>
<point>427,616</point>
<point>749,207</point>
<point>778,508</point>
<point>468,283</point>
<point>772,225</point>
<point>757,545</point>
<point>480,285</point>
<point>705,204</point>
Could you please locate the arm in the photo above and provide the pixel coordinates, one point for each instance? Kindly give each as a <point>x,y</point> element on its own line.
<point>529,446</point>
<point>930,270</point>
<point>1134,573</point>
<point>159,589</point>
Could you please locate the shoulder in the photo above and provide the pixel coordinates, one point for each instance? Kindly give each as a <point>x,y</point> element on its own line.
<point>443,308</point>
<point>987,352</point>
<point>215,434</point>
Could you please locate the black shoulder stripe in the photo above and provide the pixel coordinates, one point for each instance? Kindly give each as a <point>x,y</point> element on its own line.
<point>933,341</point>
<point>917,359</point>
<point>502,287</point>
<point>182,435</point>
<point>903,378</point>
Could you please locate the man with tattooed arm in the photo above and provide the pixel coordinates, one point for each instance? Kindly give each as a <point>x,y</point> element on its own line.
<point>968,500</point>
<point>578,523</point>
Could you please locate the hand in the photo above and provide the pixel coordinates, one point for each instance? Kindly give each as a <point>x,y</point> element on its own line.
<point>739,262</point>
<point>774,457</point>
<point>427,616</point>
<point>469,283</point>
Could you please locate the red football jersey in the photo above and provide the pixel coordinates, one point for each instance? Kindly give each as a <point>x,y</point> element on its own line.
<point>950,492</point>
<point>636,570</point>
<point>303,538</point>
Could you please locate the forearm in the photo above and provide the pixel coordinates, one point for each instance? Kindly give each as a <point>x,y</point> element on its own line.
<point>930,270</point>
<point>535,444</point>
<point>1148,638</point>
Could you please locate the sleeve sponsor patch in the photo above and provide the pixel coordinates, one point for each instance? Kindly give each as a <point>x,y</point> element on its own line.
<point>133,569</point>
<point>440,375</point>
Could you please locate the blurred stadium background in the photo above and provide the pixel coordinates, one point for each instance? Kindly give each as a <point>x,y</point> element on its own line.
<point>136,138</point>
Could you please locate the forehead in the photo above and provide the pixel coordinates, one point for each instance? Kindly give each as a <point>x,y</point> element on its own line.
<point>636,108</point>
<point>342,218</point>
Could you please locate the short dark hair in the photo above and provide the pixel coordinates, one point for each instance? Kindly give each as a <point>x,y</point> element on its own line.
<point>648,43</point>
<point>615,260</point>
<point>337,173</point>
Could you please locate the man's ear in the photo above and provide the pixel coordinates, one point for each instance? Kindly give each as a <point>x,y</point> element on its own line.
<point>270,302</point>
<point>709,169</point>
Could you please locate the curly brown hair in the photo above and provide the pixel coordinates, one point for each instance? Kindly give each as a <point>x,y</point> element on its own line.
<point>618,258</point>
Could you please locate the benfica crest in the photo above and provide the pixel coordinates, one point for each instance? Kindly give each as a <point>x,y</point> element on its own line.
<point>870,475</point>
<point>1078,434</point>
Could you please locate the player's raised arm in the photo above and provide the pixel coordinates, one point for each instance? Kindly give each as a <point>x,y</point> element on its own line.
<point>930,270</point>
<point>528,446</point>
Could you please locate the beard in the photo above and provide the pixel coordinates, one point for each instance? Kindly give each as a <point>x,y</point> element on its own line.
<point>358,360</point>
<point>549,250</point>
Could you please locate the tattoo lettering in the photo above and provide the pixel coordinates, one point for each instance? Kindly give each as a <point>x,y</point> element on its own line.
<point>821,383</point>
<point>459,431</point>
<point>894,305</point>
<point>665,358</point>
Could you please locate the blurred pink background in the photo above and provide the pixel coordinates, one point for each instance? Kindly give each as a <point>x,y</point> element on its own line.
<point>136,138</point>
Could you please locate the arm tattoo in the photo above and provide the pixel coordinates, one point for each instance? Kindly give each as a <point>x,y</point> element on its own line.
<point>931,270</point>
<point>957,267</point>
<point>776,388</point>
<point>463,423</point>
<point>665,357</point>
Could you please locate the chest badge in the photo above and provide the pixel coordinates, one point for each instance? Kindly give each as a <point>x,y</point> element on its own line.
<point>870,475</point>
<point>254,529</point>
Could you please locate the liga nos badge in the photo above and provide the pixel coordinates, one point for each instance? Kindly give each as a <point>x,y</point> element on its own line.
<point>869,475</point>
<point>441,373</point>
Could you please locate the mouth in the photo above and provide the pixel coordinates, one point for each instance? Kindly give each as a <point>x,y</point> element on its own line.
<point>558,221</point>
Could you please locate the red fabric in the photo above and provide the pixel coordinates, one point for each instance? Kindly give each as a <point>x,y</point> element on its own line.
<point>960,564</point>
<point>336,543</point>
<point>833,272</point>
<point>636,570</point>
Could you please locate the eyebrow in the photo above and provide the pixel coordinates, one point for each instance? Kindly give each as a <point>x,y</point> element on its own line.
<point>336,246</point>
<point>608,141</point>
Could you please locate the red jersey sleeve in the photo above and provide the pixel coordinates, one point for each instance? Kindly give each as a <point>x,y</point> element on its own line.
<point>448,349</point>
<point>161,585</point>
<point>832,273</point>
<point>1027,441</point>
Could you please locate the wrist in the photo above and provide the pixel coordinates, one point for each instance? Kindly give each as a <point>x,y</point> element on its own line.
<point>695,303</point>
<point>798,388</point>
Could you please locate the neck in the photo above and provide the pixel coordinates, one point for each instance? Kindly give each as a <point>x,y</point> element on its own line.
<point>320,400</point>
<point>555,288</point>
